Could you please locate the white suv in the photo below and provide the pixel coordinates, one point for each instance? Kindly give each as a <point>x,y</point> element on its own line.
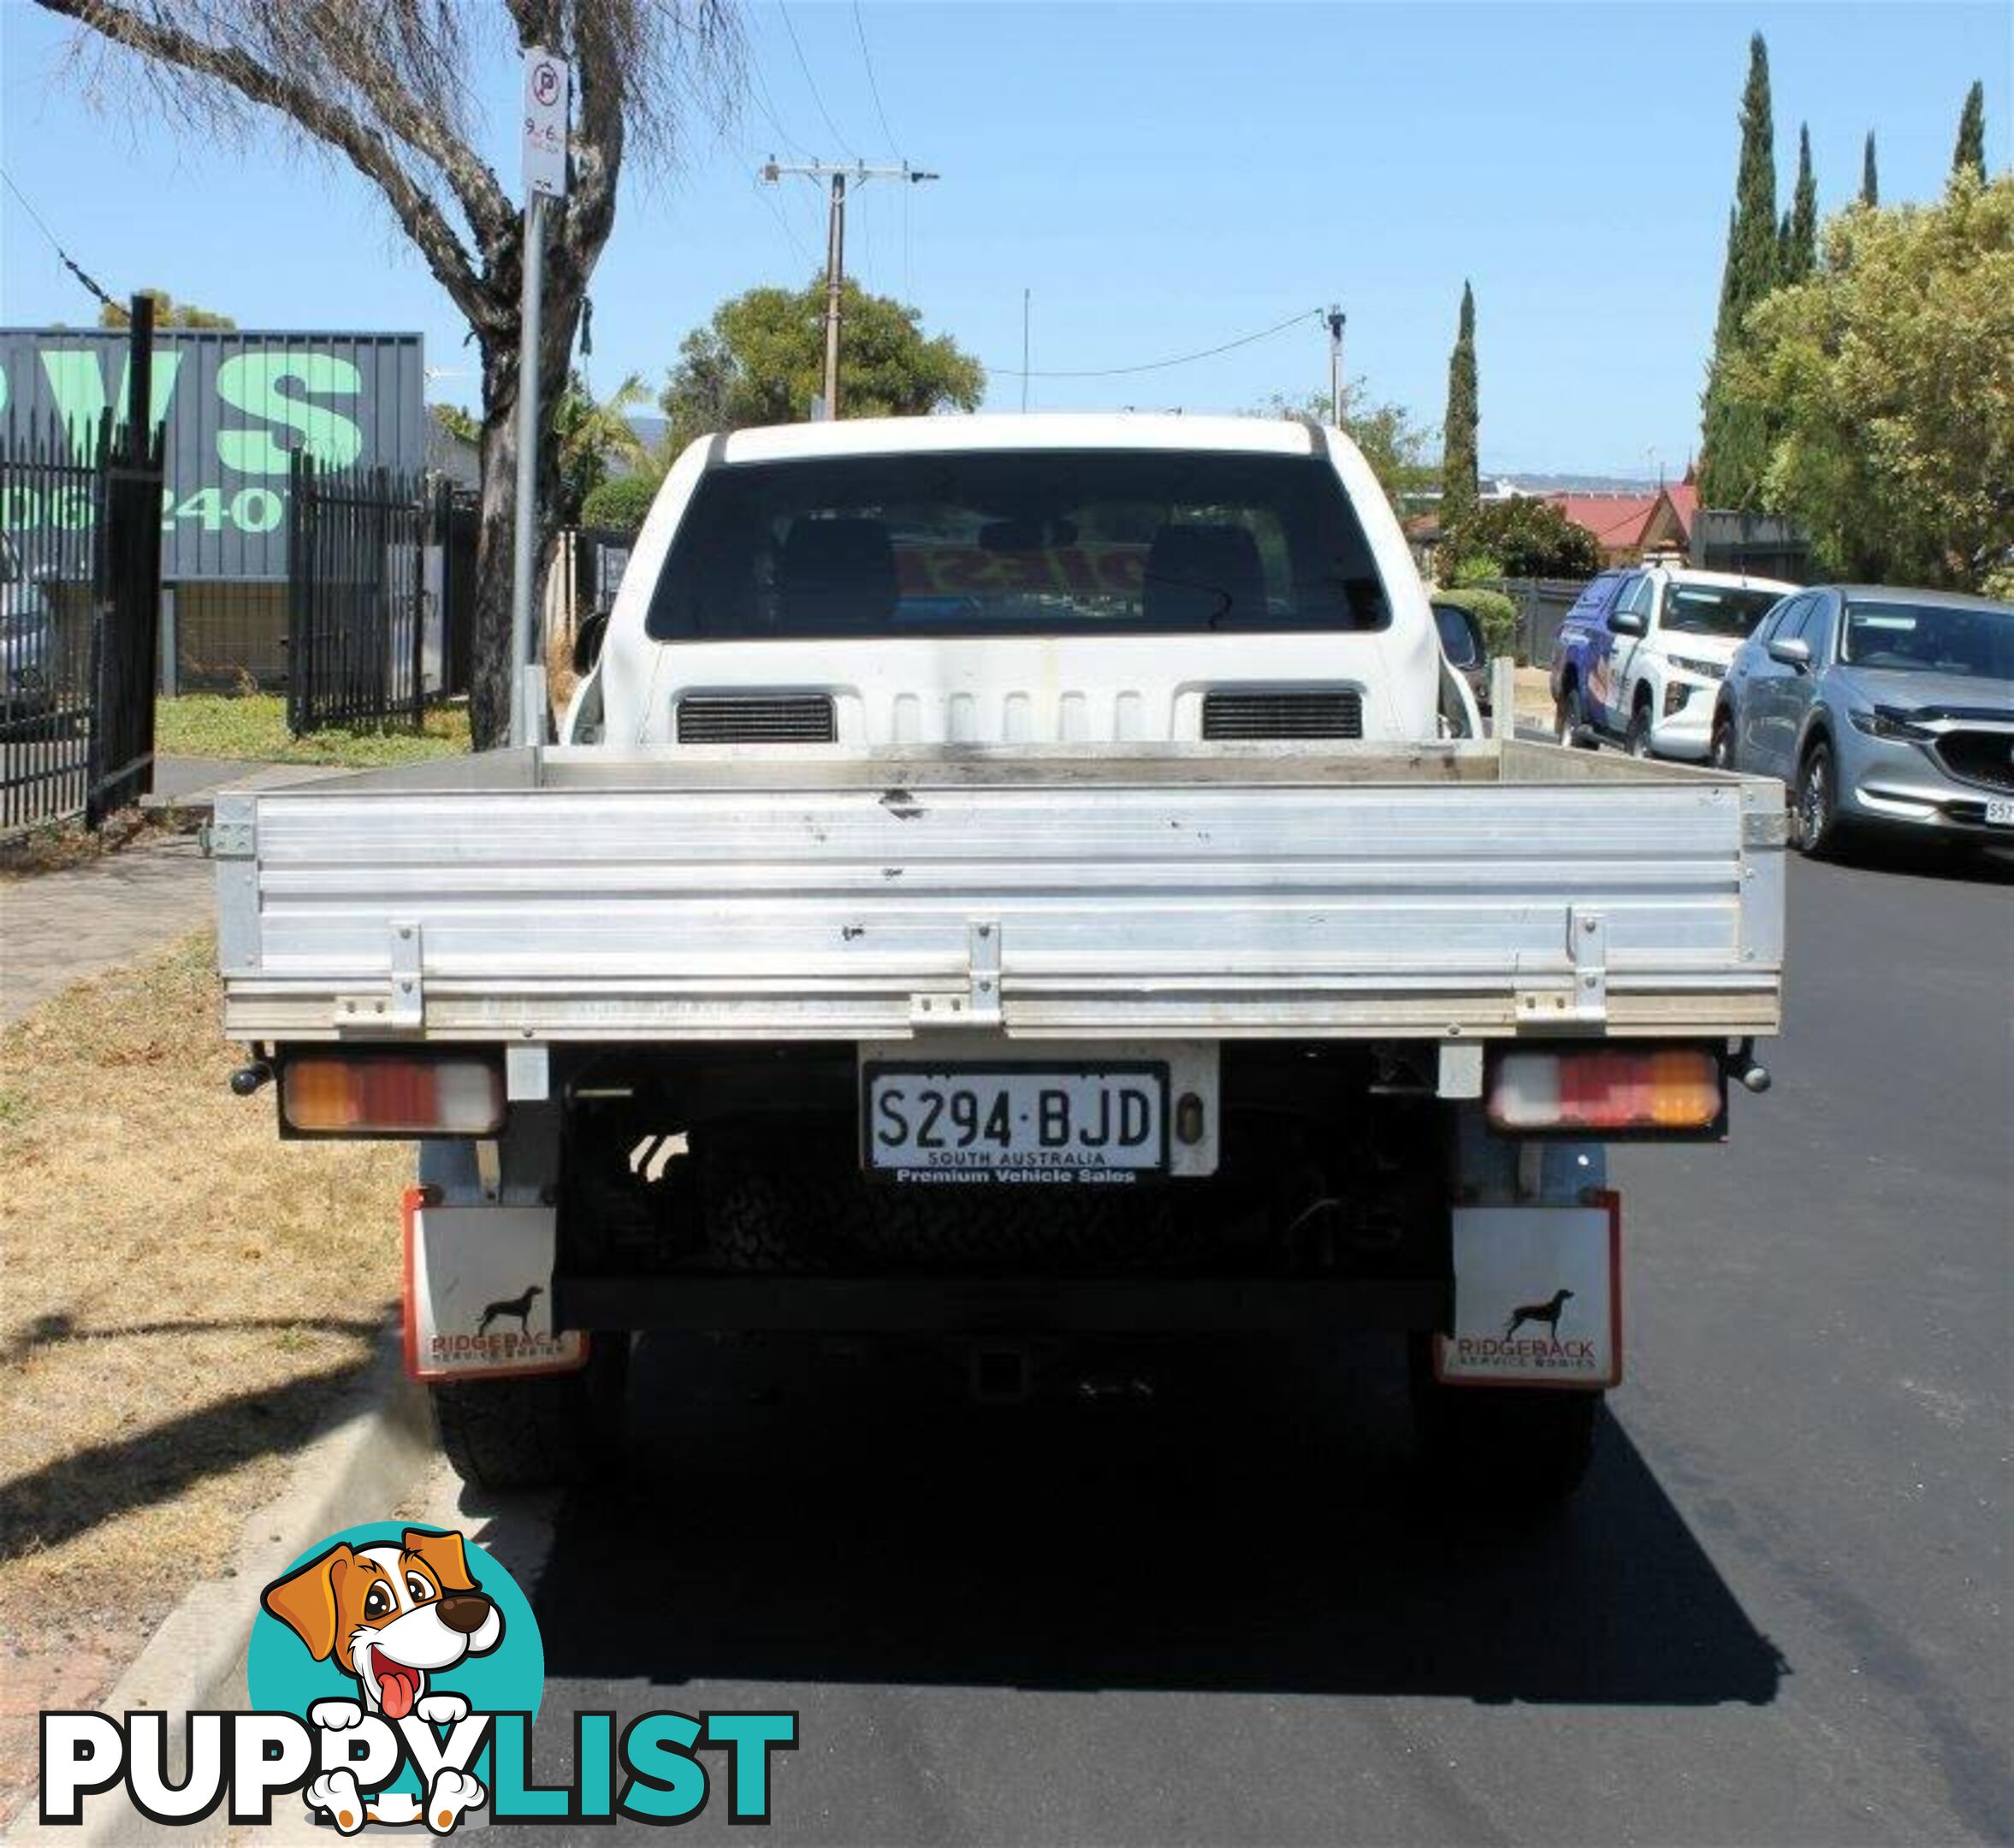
<point>1643,661</point>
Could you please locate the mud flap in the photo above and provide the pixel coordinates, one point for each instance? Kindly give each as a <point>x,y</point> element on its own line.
<point>478,1284</point>
<point>1537,1297</point>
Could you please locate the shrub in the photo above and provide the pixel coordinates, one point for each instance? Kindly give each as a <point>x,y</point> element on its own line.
<point>620,504</point>
<point>1528,536</point>
<point>1495,611</point>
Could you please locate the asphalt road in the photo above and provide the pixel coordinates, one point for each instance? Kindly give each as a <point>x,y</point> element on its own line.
<point>1776,1613</point>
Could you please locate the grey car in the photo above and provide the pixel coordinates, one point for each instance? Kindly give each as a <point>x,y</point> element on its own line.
<point>1880,708</point>
<point>27,637</point>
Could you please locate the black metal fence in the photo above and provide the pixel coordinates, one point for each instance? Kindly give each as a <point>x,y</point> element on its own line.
<point>80,621</point>
<point>380,577</point>
<point>1759,544</point>
<point>600,555</point>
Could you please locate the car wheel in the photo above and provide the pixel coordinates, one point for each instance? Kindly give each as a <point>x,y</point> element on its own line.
<point>1637,743</point>
<point>1514,1450</point>
<point>1572,719</point>
<point>1721,754</point>
<point>1817,803</point>
<point>541,1433</point>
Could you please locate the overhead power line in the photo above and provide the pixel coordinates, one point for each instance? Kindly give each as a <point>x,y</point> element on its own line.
<point>804,64</point>
<point>69,261</point>
<point>1160,365</point>
<point>874,88</point>
<point>789,230</point>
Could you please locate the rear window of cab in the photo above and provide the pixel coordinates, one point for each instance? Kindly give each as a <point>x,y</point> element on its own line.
<point>998,542</point>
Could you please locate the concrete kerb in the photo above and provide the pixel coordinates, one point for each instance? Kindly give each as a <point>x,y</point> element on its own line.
<point>192,808</point>
<point>360,1470</point>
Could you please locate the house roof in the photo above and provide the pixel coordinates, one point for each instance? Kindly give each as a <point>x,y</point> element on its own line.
<point>1616,520</point>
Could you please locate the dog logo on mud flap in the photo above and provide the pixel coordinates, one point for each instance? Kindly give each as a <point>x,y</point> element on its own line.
<point>517,1308</point>
<point>393,1618</point>
<point>1548,1311</point>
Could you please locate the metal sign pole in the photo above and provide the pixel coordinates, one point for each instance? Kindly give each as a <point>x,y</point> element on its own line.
<point>524,535</point>
<point>547,81</point>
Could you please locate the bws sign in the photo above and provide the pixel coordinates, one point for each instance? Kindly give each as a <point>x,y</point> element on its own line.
<point>237,406</point>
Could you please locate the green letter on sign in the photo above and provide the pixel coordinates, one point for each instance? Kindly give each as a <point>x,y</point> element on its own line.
<point>251,383</point>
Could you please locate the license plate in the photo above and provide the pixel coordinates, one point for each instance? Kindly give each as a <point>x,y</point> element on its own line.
<point>1014,1125</point>
<point>2000,812</point>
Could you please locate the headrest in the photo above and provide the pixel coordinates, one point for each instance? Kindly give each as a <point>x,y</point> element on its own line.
<point>837,572</point>
<point>1198,574</point>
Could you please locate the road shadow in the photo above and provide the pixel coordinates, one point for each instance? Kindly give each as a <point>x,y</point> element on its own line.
<point>1253,1526</point>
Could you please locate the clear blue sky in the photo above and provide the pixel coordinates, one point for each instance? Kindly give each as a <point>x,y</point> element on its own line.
<point>1162,178</point>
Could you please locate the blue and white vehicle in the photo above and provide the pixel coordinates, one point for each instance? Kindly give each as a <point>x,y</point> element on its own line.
<point>1641,656</point>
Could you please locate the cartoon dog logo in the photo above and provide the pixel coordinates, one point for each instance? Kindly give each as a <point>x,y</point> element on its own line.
<point>1547,1311</point>
<point>391,1617</point>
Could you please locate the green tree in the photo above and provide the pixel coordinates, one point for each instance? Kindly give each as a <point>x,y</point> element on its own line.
<point>168,313</point>
<point>1801,252</point>
<point>393,93</point>
<point>620,503</point>
<point>1459,480</point>
<point>1392,443</point>
<point>1524,536</point>
<point>595,437</point>
<point>456,422</point>
<point>1870,181</point>
<point>1889,377</point>
<point>761,359</point>
<point>1968,156</point>
<point>1736,444</point>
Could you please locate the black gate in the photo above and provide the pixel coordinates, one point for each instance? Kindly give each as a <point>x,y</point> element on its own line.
<point>128,669</point>
<point>370,598</point>
<point>80,621</point>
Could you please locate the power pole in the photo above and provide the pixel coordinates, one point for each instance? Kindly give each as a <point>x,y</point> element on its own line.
<point>837,175</point>
<point>1336,317</point>
<point>1027,297</point>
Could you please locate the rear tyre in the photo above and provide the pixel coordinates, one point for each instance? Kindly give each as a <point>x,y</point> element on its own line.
<point>543,1433</point>
<point>1523,1448</point>
<point>1637,743</point>
<point>1572,719</point>
<point>1720,753</point>
<point>1817,803</point>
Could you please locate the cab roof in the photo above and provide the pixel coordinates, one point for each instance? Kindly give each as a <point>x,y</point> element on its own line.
<point>916,435</point>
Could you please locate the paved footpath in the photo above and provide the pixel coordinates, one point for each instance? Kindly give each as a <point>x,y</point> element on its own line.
<point>56,927</point>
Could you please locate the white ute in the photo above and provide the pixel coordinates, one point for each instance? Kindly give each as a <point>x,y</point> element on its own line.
<point>1006,881</point>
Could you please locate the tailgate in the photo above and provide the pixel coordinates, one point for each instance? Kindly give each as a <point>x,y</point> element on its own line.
<point>1298,905</point>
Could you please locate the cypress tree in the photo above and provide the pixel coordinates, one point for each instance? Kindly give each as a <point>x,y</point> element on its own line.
<point>1871,182</point>
<point>1969,155</point>
<point>1801,256</point>
<point>1460,486</point>
<point>1736,440</point>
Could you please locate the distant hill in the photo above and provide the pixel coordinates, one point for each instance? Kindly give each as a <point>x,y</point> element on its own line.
<point>1572,484</point>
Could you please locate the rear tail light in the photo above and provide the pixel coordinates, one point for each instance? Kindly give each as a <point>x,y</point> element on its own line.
<point>339,1093</point>
<point>1674,1089</point>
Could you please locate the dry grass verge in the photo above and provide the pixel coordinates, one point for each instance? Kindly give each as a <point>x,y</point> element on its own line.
<point>186,1297</point>
<point>56,846</point>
